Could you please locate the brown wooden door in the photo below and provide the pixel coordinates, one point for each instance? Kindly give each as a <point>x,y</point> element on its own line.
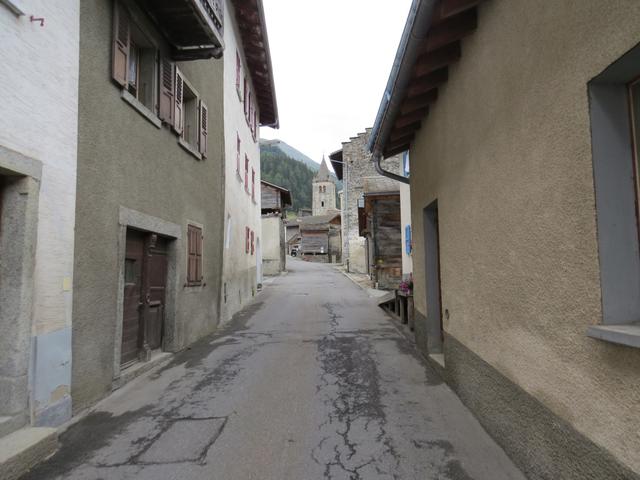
<point>132,297</point>
<point>156,286</point>
<point>146,260</point>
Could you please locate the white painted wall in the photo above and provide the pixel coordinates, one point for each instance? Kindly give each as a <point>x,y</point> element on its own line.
<point>405,219</point>
<point>239,270</point>
<point>39,98</point>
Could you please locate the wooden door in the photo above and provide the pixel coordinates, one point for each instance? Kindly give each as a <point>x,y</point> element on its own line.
<point>134,256</point>
<point>145,283</point>
<point>155,287</point>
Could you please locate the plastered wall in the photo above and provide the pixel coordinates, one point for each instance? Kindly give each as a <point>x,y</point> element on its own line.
<point>241,210</point>
<point>506,151</point>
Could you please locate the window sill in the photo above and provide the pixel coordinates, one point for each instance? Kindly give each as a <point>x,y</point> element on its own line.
<point>240,179</point>
<point>189,148</point>
<point>141,108</point>
<point>628,334</point>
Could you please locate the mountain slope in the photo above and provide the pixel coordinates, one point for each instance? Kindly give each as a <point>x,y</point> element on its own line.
<point>294,175</point>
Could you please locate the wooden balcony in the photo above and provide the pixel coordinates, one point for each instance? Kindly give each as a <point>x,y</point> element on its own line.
<point>194,28</point>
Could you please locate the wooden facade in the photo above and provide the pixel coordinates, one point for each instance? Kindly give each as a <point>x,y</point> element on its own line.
<point>383,231</point>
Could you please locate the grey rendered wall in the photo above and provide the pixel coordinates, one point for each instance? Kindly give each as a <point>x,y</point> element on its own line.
<point>126,161</point>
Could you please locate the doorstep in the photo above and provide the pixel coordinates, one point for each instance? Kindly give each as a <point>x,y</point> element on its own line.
<point>139,368</point>
<point>25,448</point>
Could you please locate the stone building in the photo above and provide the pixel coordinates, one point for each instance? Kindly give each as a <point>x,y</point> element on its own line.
<point>149,219</point>
<point>522,123</point>
<point>275,200</point>
<point>352,165</point>
<point>324,192</point>
<point>249,102</point>
<point>38,162</point>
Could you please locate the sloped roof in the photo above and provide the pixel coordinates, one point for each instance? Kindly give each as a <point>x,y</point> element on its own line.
<point>317,221</point>
<point>323,174</point>
<point>336,161</point>
<point>286,194</point>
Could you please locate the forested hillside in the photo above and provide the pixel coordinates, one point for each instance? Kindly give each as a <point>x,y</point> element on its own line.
<point>278,168</point>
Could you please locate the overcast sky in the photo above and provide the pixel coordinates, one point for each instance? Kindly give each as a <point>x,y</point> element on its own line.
<point>331,61</point>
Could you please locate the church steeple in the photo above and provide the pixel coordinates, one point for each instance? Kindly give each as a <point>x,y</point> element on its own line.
<point>323,174</point>
<point>324,191</point>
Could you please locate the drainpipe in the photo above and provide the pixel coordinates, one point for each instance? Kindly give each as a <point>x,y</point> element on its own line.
<point>413,36</point>
<point>386,173</point>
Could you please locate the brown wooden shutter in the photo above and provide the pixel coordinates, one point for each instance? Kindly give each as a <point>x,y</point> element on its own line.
<point>178,116</point>
<point>204,128</point>
<point>167,75</point>
<point>121,42</point>
<point>194,255</point>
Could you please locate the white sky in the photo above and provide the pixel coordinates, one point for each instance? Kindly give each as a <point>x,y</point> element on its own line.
<point>331,61</point>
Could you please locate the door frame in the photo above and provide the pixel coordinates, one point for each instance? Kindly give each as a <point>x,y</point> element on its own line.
<point>173,232</point>
<point>433,290</point>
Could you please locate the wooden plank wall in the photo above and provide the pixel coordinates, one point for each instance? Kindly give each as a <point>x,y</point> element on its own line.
<point>271,198</point>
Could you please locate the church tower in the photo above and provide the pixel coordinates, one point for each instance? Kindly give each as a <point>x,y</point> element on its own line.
<point>324,191</point>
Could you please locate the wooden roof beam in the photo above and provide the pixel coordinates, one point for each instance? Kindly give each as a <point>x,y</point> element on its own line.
<point>390,152</point>
<point>406,120</point>
<point>437,59</point>
<point>417,103</point>
<point>449,8</point>
<point>405,131</point>
<point>450,31</point>
<point>426,84</point>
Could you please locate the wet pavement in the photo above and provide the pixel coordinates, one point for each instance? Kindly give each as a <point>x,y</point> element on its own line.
<point>311,381</point>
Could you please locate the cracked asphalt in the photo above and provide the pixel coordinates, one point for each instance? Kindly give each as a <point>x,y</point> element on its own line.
<point>311,381</point>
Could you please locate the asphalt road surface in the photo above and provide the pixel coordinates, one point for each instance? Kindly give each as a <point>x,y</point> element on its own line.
<point>311,381</point>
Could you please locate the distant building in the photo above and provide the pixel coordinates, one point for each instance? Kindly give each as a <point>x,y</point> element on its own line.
<point>324,191</point>
<point>352,165</point>
<point>275,200</point>
<point>320,238</point>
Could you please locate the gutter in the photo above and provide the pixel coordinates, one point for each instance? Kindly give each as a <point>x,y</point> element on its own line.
<point>414,34</point>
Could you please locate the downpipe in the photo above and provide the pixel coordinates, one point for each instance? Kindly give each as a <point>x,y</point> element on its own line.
<point>377,158</point>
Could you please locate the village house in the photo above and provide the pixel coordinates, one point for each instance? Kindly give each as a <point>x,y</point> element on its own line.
<point>38,160</point>
<point>379,223</point>
<point>320,239</point>
<point>275,201</point>
<point>249,102</point>
<point>149,222</point>
<point>524,206</point>
<point>352,164</point>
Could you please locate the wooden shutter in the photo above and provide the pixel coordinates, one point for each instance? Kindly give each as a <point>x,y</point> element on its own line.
<point>253,184</point>
<point>204,128</point>
<point>194,255</point>
<point>178,116</point>
<point>121,43</point>
<point>246,239</point>
<point>167,76</point>
<point>252,242</point>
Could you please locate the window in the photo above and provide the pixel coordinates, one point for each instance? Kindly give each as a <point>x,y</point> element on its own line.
<point>245,91</point>
<point>238,71</point>
<point>191,116</point>
<point>246,239</point>
<point>253,184</point>
<point>255,124</point>
<point>614,103</point>
<point>135,60</point>
<point>322,203</point>
<point>238,144</point>
<point>194,255</point>
<point>252,242</point>
<point>246,174</point>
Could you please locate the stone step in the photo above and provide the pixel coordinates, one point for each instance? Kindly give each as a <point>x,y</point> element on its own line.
<point>23,449</point>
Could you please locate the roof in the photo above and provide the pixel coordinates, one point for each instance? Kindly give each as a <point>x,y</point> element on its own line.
<point>323,174</point>
<point>253,31</point>
<point>336,163</point>
<point>317,220</point>
<point>379,184</point>
<point>286,194</point>
<point>431,41</point>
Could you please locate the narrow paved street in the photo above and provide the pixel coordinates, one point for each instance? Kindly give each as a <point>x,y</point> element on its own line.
<point>312,381</point>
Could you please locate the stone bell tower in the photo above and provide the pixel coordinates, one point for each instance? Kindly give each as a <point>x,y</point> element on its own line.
<point>324,191</point>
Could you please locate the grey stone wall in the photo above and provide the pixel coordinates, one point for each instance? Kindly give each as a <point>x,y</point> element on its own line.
<point>357,166</point>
